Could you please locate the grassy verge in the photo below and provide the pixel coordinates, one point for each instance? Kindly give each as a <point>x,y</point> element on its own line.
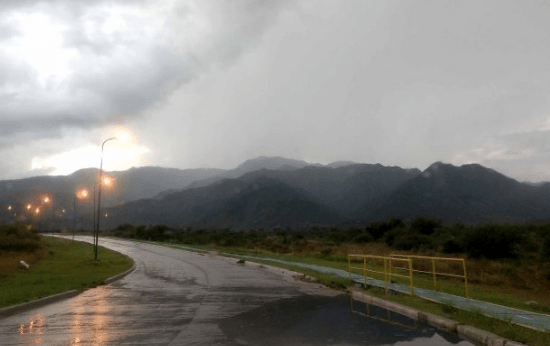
<point>477,319</point>
<point>65,266</point>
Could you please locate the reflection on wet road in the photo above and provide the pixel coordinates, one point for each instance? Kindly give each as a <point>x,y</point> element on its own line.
<point>181,298</point>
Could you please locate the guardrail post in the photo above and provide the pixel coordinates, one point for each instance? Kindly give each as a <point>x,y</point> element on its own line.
<point>389,272</point>
<point>465,280</point>
<point>368,271</point>
<point>349,267</point>
<point>411,279</point>
<point>365,270</point>
<point>433,270</point>
<point>389,269</point>
<point>386,281</point>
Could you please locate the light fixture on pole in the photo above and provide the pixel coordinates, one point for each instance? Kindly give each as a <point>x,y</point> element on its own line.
<point>80,195</point>
<point>100,181</point>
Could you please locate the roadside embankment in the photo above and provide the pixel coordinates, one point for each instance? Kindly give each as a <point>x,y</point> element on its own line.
<point>465,331</point>
<point>67,270</point>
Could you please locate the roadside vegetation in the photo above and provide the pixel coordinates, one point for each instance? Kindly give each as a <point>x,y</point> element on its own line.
<point>55,265</point>
<point>511,260</point>
<point>476,318</point>
<point>507,264</point>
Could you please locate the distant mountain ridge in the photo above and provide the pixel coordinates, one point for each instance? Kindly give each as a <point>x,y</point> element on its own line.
<point>350,190</point>
<point>278,192</point>
<point>257,202</point>
<point>467,194</point>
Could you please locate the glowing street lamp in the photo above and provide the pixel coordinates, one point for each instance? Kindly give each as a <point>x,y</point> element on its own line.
<point>81,194</point>
<point>107,181</point>
<point>99,196</point>
<point>46,199</point>
<point>12,213</point>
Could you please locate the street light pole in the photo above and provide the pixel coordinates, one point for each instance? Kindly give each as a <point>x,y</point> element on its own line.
<point>99,197</point>
<point>93,215</point>
<point>74,216</point>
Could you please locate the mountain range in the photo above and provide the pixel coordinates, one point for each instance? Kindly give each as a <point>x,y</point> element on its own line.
<point>269,192</point>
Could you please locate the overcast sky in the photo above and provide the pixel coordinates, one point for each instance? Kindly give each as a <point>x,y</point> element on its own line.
<point>213,83</point>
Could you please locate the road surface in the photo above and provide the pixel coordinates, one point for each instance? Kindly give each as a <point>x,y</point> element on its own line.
<point>176,297</point>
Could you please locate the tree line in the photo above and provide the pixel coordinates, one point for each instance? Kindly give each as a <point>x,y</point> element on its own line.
<point>491,241</point>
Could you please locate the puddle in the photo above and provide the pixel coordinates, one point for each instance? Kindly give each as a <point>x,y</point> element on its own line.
<point>316,320</point>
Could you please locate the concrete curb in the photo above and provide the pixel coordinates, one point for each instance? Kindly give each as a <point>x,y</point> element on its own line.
<point>121,275</point>
<point>465,331</point>
<point>19,308</point>
<point>276,270</point>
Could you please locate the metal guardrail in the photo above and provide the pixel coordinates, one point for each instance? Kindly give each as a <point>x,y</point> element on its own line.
<point>388,268</point>
<point>435,273</point>
<point>387,271</point>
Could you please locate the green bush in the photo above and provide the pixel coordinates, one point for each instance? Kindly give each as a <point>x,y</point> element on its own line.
<point>452,245</point>
<point>412,241</point>
<point>545,249</point>
<point>17,238</point>
<point>493,242</point>
<point>363,237</point>
<point>390,236</point>
<point>424,226</point>
<point>379,229</point>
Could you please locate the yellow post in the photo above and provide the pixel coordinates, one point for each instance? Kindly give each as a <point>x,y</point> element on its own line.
<point>389,269</point>
<point>433,270</point>
<point>349,267</point>
<point>386,281</point>
<point>385,270</point>
<point>411,280</point>
<point>465,280</point>
<point>368,273</point>
<point>365,270</point>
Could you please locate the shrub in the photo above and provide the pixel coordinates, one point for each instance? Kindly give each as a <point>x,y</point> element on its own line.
<point>363,237</point>
<point>16,238</point>
<point>493,242</point>
<point>452,245</point>
<point>337,236</point>
<point>424,226</point>
<point>545,249</point>
<point>412,241</point>
<point>379,229</point>
<point>389,237</point>
<point>326,252</point>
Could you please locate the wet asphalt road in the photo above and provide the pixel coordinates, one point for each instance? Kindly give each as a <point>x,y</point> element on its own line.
<point>176,297</point>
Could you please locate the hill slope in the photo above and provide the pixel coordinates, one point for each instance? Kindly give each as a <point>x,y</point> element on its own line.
<point>468,194</point>
<point>248,202</point>
<point>353,190</point>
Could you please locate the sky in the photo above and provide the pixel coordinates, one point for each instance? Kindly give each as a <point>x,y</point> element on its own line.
<point>196,84</point>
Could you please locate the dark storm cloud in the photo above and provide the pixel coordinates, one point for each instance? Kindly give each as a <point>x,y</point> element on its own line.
<point>123,73</point>
<point>213,83</point>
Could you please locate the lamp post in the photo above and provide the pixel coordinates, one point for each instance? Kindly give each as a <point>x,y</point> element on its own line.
<point>80,194</point>
<point>96,240</point>
<point>45,201</point>
<point>13,214</point>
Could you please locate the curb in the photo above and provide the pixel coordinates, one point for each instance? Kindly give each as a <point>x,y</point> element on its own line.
<point>465,331</point>
<point>19,308</point>
<point>121,275</point>
<point>285,273</point>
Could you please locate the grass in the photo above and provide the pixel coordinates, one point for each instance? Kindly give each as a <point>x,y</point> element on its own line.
<point>62,265</point>
<point>476,318</point>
